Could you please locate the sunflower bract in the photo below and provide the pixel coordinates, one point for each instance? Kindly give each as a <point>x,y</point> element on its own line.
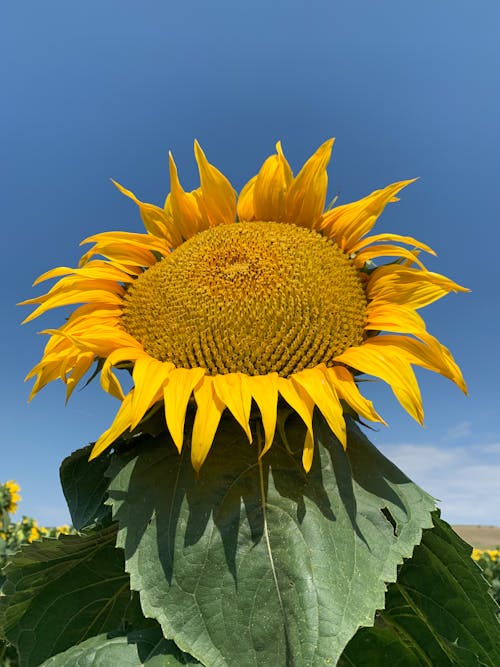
<point>232,301</point>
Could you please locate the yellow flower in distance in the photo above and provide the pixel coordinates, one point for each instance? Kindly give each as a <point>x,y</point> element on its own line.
<point>232,300</point>
<point>13,489</point>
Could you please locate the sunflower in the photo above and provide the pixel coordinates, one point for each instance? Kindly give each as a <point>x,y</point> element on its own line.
<point>13,496</point>
<point>232,300</point>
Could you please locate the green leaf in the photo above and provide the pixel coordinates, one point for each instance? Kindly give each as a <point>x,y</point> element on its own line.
<point>142,647</point>
<point>438,613</point>
<point>60,592</point>
<point>259,562</point>
<point>84,485</point>
<point>8,655</point>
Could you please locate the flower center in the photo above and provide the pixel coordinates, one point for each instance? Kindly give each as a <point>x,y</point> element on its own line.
<point>250,297</point>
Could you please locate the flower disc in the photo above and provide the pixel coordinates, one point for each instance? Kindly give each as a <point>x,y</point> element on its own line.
<point>253,297</point>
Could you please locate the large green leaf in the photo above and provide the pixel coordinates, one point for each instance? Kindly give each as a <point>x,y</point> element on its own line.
<point>60,592</point>
<point>84,485</point>
<point>261,563</point>
<point>141,647</point>
<point>438,613</point>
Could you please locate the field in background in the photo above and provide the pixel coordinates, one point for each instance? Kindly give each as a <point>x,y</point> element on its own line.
<point>481,537</point>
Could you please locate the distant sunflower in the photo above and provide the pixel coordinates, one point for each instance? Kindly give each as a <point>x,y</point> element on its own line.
<point>13,496</point>
<point>239,299</point>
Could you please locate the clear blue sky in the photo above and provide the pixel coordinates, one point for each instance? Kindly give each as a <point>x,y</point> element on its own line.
<point>95,90</point>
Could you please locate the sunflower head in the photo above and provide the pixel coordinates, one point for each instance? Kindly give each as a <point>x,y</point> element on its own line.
<point>10,496</point>
<point>231,301</point>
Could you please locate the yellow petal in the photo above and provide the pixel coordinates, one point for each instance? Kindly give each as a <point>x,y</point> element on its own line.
<point>347,224</point>
<point>343,382</point>
<point>234,392</point>
<point>264,391</point>
<point>94,313</point>
<point>376,238</point>
<point>246,209</point>
<point>69,297</point>
<point>217,200</point>
<point>132,239</point>
<point>150,376</point>
<point>102,340</point>
<point>306,196</point>
<point>302,403</point>
<point>103,271</point>
<point>109,381</point>
<point>185,210</point>
<point>127,255</point>
<point>271,186</point>
<point>428,353</point>
<point>399,319</point>
<point>176,395</point>
<point>120,424</point>
<point>79,368</point>
<point>323,394</point>
<point>391,365</point>
<point>408,287</point>
<point>385,250</point>
<point>206,421</point>
<point>154,218</point>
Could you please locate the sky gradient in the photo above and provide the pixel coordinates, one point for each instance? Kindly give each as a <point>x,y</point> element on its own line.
<point>93,91</point>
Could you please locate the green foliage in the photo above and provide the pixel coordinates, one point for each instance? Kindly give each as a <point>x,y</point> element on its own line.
<point>252,562</point>
<point>78,578</point>
<point>85,485</point>
<point>437,613</point>
<point>260,563</point>
<point>14,534</point>
<point>138,648</point>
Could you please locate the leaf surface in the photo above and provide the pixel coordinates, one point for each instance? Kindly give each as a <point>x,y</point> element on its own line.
<point>138,648</point>
<point>259,563</point>
<point>438,613</point>
<point>85,485</point>
<point>60,592</point>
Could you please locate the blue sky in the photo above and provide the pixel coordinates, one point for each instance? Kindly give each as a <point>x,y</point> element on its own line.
<point>100,90</point>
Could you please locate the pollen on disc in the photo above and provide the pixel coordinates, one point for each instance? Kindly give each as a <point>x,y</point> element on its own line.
<point>251,297</point>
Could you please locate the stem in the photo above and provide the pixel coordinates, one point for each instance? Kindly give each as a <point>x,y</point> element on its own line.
<point>264,515</point>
